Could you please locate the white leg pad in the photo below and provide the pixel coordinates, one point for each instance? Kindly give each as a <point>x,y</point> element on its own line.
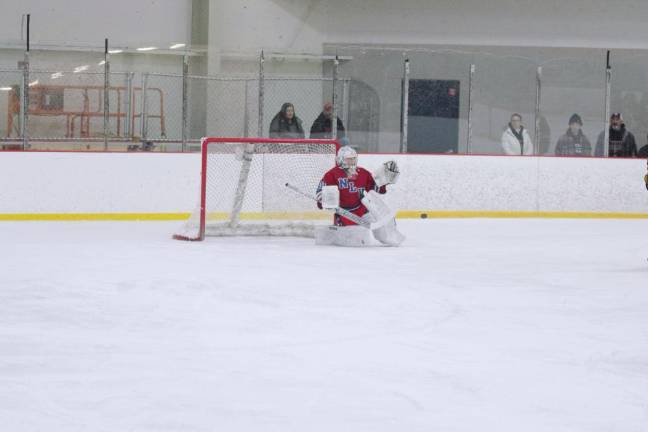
<point>379,211</point>
<point>387,234</point>
<point>383,223</point>
<point>350,236</point>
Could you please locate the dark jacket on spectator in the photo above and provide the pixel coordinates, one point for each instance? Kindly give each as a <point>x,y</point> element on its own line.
<point>323,128</point>
<point>643,151</point>
<point>280,127</point>
<point>573,145</point>
<point>622,143</point>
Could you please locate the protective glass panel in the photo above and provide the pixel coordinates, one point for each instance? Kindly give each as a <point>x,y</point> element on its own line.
<point>231,107</point>
<point>629,95</point>
<point>438,101</point>
<point>305,95</point>
<point>572,93</point>
<point>374,97</point>
<point>66,105</point>
<point>502,85</point>
<point>10,103</point>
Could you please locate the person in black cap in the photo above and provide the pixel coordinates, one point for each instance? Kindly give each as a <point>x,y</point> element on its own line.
<point>574,142</point>
<point>621,141</point>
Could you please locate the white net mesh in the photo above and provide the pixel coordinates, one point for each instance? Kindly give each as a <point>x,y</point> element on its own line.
<point>246,193</point>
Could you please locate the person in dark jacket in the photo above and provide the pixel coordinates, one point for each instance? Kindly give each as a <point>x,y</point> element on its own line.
<point>286,124</point>
<point>574,142</point>
<point>643,152</point>
<point>621,142</point>
<point>323,126</point>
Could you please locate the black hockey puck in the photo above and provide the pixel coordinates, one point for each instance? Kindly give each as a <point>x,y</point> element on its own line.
<point>423,215</point>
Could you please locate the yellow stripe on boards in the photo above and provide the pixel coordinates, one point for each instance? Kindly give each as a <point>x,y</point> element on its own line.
<point>93,216</point>
<point>315,215</point>
<point>320,215</point>
<point>422,214</point>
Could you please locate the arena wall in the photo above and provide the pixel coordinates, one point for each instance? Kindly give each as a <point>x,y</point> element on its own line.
<point>113,186</point>
<point>306,25</point>
<point>132,23</point>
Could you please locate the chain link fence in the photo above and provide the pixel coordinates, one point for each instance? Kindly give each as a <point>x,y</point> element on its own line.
<point>88,110</point>
<point>232,105</point>
<point>105,110</point>
<point>64,105</point>
<point>120,103</point>
<point>306,94</point>
<point>11,83</point>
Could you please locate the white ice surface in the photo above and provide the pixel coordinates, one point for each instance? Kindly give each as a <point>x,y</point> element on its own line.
<point>472,325</point>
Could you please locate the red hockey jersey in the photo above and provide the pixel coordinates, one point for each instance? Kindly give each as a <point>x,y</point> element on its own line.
<point>352,189</point>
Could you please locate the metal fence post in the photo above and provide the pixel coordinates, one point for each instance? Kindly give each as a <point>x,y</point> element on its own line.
<point>405,106</point>
<point>471,82</point>
<point>334,129</point>
<point>128,124</point>
<point>106,92</point>
<point>606,120</point>
<point>24,104</point>
<point>24,108</point>
<point>144,117</point>
<point>246,114</point>
<point>185,100</point>
<point>261,94</point>
<point>345,101</point>
<point>537,109</point>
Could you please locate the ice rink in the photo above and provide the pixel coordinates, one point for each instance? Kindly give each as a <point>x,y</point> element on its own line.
<point>472,325</point>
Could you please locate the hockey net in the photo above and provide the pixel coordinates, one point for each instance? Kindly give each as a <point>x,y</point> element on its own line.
<point>243,187</point>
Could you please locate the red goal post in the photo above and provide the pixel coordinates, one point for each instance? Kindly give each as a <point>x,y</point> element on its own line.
<point>243,192</point>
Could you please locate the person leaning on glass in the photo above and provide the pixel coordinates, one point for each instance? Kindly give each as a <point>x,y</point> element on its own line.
<point>574,142</point>
<point>516,139</point>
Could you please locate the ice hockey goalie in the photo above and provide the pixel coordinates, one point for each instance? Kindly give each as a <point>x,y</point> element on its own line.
<point>360,213</point>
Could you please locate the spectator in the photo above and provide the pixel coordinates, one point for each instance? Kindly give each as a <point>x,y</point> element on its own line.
<point>574,142</point>
<point>621,142</point>
<point>516,139</point>
<point>323,125</point>
<point>286,124</point>
<point>643,152</point>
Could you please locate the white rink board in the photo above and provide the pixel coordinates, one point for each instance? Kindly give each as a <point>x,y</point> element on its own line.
<point>35,183</point>
<point>98,182</point>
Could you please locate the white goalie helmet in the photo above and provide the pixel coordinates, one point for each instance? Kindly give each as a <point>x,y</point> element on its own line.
<point>347,159</point>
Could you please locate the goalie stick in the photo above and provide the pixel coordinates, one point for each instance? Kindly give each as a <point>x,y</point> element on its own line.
<point>338,210</point>
<point>385,232</point>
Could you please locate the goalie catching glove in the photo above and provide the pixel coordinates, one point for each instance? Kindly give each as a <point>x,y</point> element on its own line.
<point>388,173</point>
